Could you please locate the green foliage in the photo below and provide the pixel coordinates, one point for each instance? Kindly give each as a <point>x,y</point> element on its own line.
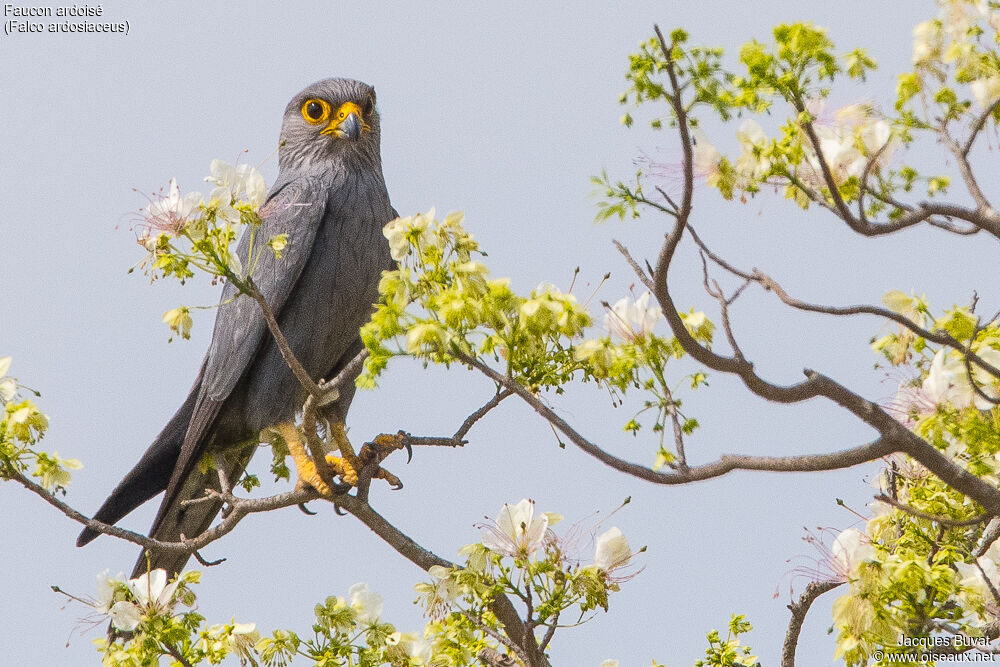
<point>440,306</point>
<point>22,427</point>
<point>729,652</point>
<point>184,234</point>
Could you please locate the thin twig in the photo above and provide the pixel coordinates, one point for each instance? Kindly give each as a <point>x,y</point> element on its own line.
<point>282,343</point>
<point>944,521</point>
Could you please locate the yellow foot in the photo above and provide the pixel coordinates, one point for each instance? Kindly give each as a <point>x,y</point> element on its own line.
<point>347,465</point>
<point>342,467</point>
<point>308,475</point>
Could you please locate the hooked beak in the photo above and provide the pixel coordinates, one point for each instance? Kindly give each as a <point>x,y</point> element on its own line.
<point>347,122</point>
<point>350,127</point>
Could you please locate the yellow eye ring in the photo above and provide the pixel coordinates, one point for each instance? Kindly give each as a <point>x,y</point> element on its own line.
<point>315,110</point>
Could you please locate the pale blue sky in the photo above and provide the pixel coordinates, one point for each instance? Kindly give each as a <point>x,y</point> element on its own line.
<point>502,111</point>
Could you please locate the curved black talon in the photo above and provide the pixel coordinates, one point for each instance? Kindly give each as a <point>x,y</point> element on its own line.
<point>338,511</point>
<point>396,488</point>
<point>407,446</point>
<point>305,510</point>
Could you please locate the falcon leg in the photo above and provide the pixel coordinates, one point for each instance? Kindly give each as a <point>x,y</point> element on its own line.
<point>308,475</point>
<point>347,465</point>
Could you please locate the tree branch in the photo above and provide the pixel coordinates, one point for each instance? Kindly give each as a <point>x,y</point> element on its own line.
<point>279,338</point>
<point>799,610</point>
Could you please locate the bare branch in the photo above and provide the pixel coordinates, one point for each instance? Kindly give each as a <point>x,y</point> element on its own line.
<point>471,420</point>
<point>939,336</point>
<point>684,210</point>
<point>965,169</point>
<point>799,610</point>
<point>725,464</point>
<point>977,127</point>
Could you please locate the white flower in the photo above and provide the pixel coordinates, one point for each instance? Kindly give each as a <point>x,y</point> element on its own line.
<point>972,578</point>
<point>8,386</point>
<point>927,41</point>
<point>241,179</point>
<point>947,383</point>
<point>254,187</point>
<point>416,648</point>
<point>395,232</point>
<point>986,91</point>
<point>850,549</point>
<point>516,531</point>
<point>367,603</point>
<point>611,550</point>
<point>404,232</point>
<point>706,157</point>
<point>875,136</point>
<point>171,213</point>
<point>106,586</point>
<point>221,198</point>
<point>125,616</point>
<point>849,142</point>
<point>957,16</point>
<point>445,587</point>
<point>152,592</point>
<point>223,175</point>
<point>752,162</point>
<point>630,320</point>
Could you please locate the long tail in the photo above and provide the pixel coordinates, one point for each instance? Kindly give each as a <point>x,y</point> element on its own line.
<point>150,475</point>
<point>179,516</point>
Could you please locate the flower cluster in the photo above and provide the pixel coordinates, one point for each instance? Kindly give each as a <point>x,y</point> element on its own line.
<point>146,611</point>
<point>919,564</point>
<point>953,41</point>
<point>157,618</point>
<point>22,426</point>
<point>184,232</point>
<point>441,305</point>
<point>814,156</point>
<point>853,143</point>
<point>522,557</point>
<point>632,356</point>
<point>349,631</point>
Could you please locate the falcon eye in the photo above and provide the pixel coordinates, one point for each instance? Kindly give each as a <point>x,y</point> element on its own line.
<point>315,110</point>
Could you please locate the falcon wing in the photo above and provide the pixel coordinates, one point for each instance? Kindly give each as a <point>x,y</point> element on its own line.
<point>296,208</point>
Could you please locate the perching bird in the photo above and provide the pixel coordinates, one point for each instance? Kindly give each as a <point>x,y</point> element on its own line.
<point>330,199</point>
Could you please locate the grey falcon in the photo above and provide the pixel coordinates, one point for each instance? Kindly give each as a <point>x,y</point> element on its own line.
<point>330,199</point>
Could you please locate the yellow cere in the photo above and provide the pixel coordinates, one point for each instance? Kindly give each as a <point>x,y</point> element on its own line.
<point>343,111</point>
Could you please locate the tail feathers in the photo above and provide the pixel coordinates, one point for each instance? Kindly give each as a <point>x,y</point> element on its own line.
<point>186,519</point>
<point>148,478</point>
<point>152,473</point>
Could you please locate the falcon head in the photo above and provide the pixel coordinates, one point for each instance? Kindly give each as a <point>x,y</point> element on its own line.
<point>332,118</point>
